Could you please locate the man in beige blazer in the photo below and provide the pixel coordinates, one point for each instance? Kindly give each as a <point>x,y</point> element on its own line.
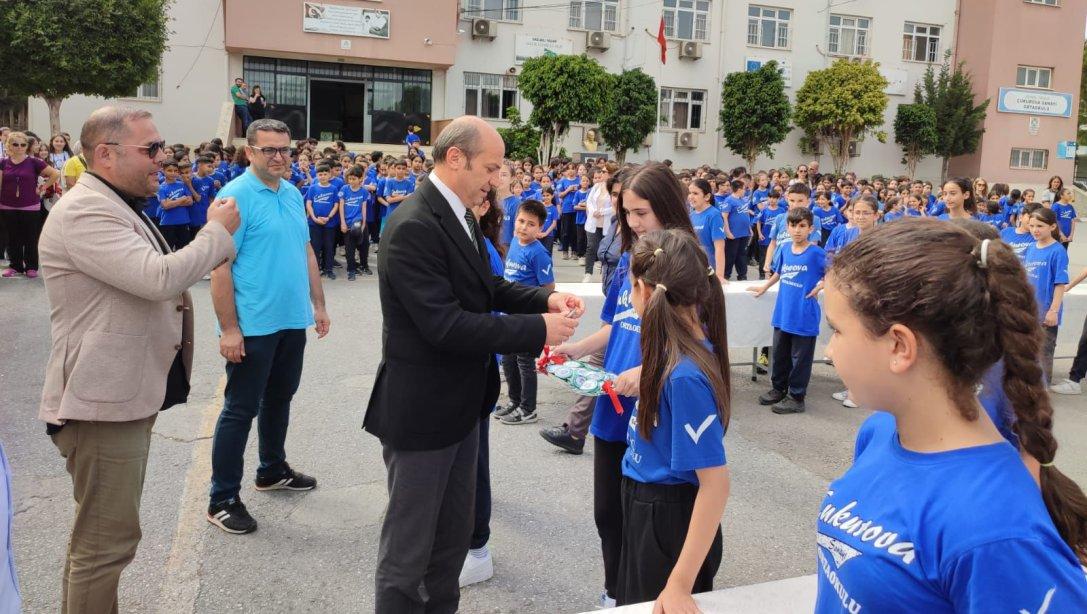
<point>122,332</point>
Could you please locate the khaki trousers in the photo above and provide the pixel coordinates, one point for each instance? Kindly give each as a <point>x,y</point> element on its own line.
<point>107,462</point>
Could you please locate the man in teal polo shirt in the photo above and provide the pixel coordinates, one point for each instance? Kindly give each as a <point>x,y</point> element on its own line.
<point>264,302</point>
<point>239,94</point>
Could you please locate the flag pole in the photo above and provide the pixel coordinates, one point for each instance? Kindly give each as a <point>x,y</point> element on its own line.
<point>656,148</point>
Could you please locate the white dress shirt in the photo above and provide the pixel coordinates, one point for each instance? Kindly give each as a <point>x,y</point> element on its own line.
<point>454,202</point>
<point>598,200</point>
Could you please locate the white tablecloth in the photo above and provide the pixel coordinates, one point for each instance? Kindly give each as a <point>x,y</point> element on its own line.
<point>749,317</point>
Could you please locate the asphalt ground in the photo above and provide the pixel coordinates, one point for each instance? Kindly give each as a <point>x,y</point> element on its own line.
<point>316,551</point>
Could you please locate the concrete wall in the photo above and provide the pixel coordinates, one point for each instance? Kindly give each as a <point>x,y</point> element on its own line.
<point>1055,41</point>
<point>726,51</point>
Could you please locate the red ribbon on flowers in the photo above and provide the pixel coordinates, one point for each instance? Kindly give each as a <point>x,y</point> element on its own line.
<point>610,389</point>
<point>547,358</point>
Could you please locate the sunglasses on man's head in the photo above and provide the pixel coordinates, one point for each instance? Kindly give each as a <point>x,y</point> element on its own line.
<point>152,148</point>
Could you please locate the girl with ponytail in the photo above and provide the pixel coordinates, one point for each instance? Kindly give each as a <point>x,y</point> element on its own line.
<point>675,480</point>
<point>1046,263</point>
<point>938,512</point>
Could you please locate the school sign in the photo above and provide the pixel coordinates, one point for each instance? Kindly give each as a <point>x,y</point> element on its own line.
<point>1033,102</point>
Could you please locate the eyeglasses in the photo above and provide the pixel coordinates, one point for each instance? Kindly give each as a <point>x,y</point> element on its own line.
<point>152,148</point>
<point>17,145</point>
<point>270,152</point>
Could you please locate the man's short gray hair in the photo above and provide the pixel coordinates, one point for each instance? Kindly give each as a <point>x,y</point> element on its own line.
<point>265,125</point>
<point>106,125</point>
<point>463,135</point>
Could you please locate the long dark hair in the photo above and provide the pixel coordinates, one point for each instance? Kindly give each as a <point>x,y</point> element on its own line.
<point>969,204</point>
<point>490,224</point>
<point>656,183</point>
<point>675,266</point>
<point>1046,216</point>
<point>885,283</point>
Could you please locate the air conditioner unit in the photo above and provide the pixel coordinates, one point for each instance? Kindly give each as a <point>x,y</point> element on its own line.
<point>597,40</point>
<point>484,28</point>
<point>686,140</point>
<point>691,50</point>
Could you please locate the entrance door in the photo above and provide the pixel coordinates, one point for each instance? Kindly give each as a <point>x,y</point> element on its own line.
<point>337,111</point>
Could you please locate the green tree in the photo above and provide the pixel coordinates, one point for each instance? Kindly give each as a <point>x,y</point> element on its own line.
<point>58,48</point>
<point>629,112</point>
<point>754,112</point>
<point>522,140</point>
<point>562,89</point>
<point>950,94</point>
<point>842,103</point>
<point>915,131</point>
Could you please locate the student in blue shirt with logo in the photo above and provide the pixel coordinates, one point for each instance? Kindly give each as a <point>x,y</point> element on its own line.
<point>510,204</point>
<point>675,477</point>
<point>528,263</point>
<point>862,218</point>
<point>580,207</point>
<point>322,203</point>
<point>175,200</point>
<point>398,187</point>
<point>938,512</point>
<point>551,224</point>
<point>203,186</point>
<point>1046,263</point>
<point>353,200</point>
<point>566,189</point>
<point>829,216</point>
<point>798,196</point>
<point>708,224</point>
<point>1066,216</point>
<point>1019,237</point>
<point>799,265</point>
<point>651,198</point>
<point>763,223</point>
<point>737,231</point>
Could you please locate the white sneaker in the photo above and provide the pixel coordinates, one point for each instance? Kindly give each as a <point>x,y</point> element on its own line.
<point>606,602</point>
<point>850,404</point>
<point>840,396</point>
<point>587,279</point>
<point>581,261</point>
<point>1067,387</point>
<point>477,568</point>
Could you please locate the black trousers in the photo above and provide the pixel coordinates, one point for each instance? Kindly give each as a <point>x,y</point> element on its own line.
<point>176,235</point>
<point>370,237</point>
<point>323,240</point>
<point>427,527</point>
<point>736,257</point>
<point>520,370</point>
<point>481,534</point>
<point>591,248</point>
<point>23,230</point>
<point>352,245</point>
<point>791,369</point>
<point>762,258</point>
<point>655,522</point>
<point>608,506</point>
<point>582,239</point>
<point>549,242</point>
<point>1079,364</point>
<point>568,230</point>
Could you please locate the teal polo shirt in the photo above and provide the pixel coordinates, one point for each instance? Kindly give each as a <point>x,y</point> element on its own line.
<point>271,270</point>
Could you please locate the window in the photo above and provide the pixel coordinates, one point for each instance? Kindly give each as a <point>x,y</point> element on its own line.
<point>768,27</point>
<point>920,43</point>
<point>505,10</point>
<point>1033,76</point>
<point>1045,2</point>
<point>594,15</point>
<point>687,19</point>
<point>848,35</point>
<point>1037,159</point>
<point>682,109</point>
<point>147,91</point>
<point>489,95</point>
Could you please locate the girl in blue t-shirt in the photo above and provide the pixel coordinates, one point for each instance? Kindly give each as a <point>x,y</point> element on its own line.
<point>709,225</point>
<point>959,199</point>
<point>938,512</point>
<point>585,183</point>
<point>551,224</point>
<point>675,478</point>
<point>651,198</point>
<point>1066,216</point>
<point>1046,263</point>
<point>1019,237</point>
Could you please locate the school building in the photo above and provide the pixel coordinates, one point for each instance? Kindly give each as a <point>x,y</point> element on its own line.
<point>361,71</point>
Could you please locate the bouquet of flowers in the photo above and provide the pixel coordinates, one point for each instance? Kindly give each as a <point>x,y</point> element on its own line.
<point>581,377</point>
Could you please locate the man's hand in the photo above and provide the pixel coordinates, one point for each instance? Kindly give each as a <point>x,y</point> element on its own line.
<point>232,345</point>
<point>225,211</point>
<point>564,302</point>
<point>560,327</point>
<point>322,321</point>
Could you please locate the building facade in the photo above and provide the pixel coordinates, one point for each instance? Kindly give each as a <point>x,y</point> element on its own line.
<point>362,71</point>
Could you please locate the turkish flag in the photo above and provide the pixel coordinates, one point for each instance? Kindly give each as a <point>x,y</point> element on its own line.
<point>663,42</point>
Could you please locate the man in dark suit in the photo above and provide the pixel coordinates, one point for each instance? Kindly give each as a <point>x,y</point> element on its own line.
<point>438,377</point>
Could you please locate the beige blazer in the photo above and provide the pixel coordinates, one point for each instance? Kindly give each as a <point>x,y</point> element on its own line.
<point>119,307</point>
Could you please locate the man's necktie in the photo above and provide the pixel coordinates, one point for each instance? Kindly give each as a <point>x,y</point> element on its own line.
<point>472,226</point>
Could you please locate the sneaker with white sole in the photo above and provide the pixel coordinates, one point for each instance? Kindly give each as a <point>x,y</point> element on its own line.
<point>1067,387</point>
<point>519,416</point>
<point>478,567</point>
<point>587,279</point>
<point>232,517</point>
<point>850,404</point>
<point>840,396</point>
<point>288,480</point>
<point>606,601</point>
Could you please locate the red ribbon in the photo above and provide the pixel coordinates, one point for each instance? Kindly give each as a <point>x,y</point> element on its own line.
<point>554,359</point>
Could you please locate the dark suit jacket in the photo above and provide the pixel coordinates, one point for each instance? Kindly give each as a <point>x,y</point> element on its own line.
<point>438,375</point>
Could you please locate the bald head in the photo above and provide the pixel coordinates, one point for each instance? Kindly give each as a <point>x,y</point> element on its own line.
<point>467,157</point>
<point>108,125</point>
<point>470,135</point>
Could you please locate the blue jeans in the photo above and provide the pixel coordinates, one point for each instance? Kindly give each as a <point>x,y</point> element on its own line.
<point>242,112</point>
<point>260,386</point>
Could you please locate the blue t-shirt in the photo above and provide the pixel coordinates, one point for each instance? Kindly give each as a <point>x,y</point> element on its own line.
<point>271,270</point>
<point>959,531</point>
<point>828,218</point>
<point>497,266</point>
<point>353,202</point>
<point>510,205</point>
<point>709,226</point>
<point>579,199</point>
<point>205,189</point>
<point>688,434</point>
<point>738,218</point>
<point>838,200</point>
<point>936,208</point>
<point>758,196</point>
<point>623,352</point>
<point>840,237</point>
<point>176,216</point>
<point>779,231</point>
<point>323,198</point>
<point>552,215</point>
<point>766,217</point>
<point>568,200</point>
<point>529,264</point>
<point>1046,267</point>
<point>1018,241</point>
<point>794,313</point>
<point>396,187</point>
<point>1066,214</point>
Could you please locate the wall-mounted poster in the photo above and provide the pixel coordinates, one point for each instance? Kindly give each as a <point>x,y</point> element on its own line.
<point>344,20</point>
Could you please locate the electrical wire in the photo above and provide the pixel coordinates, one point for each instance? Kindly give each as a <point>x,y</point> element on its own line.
<point>214,18</point>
